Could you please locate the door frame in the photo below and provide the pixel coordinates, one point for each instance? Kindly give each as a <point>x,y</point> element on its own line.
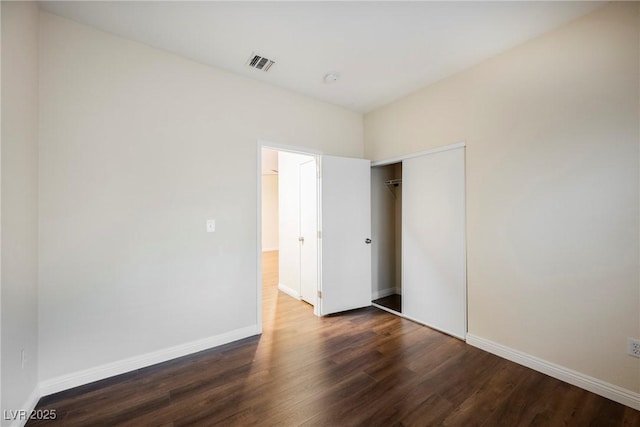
<point>316,154</point>
<point>399,159</point>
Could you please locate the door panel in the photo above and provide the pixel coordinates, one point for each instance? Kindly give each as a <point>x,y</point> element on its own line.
<point>308,232</point>
<point>345,225</point>
<point>433,241</point>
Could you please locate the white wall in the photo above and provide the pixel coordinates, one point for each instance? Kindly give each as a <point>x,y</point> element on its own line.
<point>19,247</point>
<point>269,212</point>
<point>138,148</point>
<point>552,189</point>
<point>289,220</point>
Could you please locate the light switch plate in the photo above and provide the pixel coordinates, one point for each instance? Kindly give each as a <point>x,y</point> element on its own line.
<point>633,347</point>
<point>211,225</point>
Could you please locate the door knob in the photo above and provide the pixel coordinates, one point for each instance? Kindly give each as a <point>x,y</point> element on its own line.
<point>367,241</point>
<point>301,239</point>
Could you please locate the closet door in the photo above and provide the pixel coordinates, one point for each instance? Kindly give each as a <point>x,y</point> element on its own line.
<point>433,241</point>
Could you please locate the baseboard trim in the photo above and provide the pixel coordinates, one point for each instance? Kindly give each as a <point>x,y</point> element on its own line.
<point>28,406</point>
<point>87,376</point>
<point>381,293</point>
<point>287,290</point>
<point>594,385</point>
<point>387,309</point>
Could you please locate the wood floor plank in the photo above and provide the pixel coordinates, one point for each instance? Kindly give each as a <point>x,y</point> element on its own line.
<point>361,368</point>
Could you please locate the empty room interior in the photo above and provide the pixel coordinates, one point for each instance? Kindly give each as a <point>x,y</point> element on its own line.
<point>320,213</point>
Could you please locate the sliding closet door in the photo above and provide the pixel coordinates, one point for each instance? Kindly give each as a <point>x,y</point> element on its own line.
<point>433,241</point>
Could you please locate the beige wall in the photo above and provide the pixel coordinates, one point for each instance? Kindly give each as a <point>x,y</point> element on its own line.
<point>19,205</point>
<point>269,212</point>
<point>138,148</point>
<point>552,133</point>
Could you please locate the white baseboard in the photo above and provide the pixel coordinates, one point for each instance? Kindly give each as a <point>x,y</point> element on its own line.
<point>287,290</point>
<point>269,249</point>
<point>594,385</point>
<point>28,406</point>
<point>387,309</point>
<point>381,293</point>
<point>65,382</point>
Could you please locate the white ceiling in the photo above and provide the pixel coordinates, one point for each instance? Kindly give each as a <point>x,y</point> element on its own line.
<point>382,50</point>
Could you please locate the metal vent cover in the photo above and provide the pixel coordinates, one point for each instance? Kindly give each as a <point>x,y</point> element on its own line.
<point>259,62</point>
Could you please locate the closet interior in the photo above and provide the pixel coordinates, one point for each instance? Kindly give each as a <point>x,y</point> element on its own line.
<point>386,223</point>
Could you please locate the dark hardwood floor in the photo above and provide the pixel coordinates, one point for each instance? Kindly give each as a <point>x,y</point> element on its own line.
<point>392,302</point>
<point>366,367</point>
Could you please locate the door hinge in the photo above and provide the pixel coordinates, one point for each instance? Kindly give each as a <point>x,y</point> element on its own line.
<point>319,234</point>
<point>319,294</point>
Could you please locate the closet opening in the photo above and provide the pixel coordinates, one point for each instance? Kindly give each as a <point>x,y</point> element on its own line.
<point>386,231</point>
<point>418,238</point>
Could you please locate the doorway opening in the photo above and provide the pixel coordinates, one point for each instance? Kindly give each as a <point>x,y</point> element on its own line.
<point>340,268</point>
<point>289,225</point>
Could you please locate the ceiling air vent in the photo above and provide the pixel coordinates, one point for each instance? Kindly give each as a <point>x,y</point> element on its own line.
<point>260,62</point>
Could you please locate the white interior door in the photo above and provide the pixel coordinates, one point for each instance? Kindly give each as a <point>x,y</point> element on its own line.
<point>346,232</point>
<point>308,232</point>
<point>433,241</point>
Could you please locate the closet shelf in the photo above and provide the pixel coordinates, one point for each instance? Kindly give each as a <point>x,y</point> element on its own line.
<point>392,183</point>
